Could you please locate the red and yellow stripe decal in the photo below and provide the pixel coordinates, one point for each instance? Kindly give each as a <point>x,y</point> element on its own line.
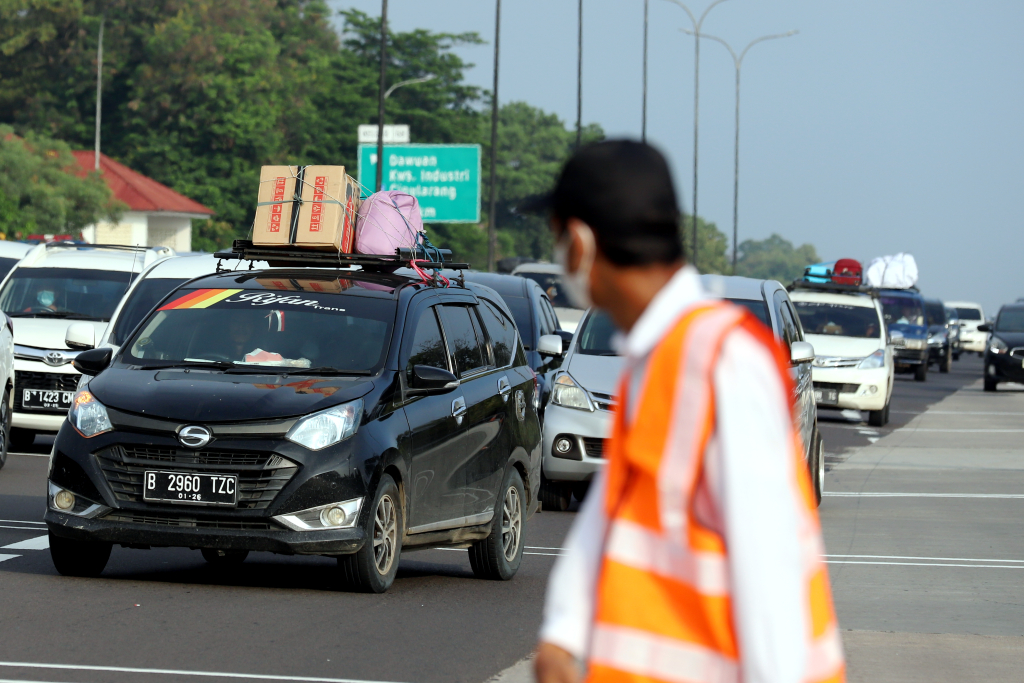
<point>200,298</point>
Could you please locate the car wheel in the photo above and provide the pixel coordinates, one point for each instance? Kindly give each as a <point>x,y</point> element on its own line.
<point>22,438</point>
<point>555,495</point>
<point>373,568</point>
<point>224,557</point>
<point>990,384</point>
<point>498,556</point>
<point>885,418</point>
<point>817,466</point>
<point>947,362</point>
<point>921,372</point>
<point>876,418</point>
<point>956,356</point>
<point>78,558</point>
<point>5,427</point>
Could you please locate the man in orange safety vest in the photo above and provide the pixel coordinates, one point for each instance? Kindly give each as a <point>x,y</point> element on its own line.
<point>697,556</point>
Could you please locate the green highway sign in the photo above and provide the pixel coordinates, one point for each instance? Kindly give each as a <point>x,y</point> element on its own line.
<point>445,179</point>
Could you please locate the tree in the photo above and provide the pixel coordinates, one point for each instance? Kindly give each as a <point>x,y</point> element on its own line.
<point>774,258</point>
<point>711,246</point>
<point>42,191</point>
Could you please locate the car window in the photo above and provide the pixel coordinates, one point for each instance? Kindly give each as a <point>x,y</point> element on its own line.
<point>787,323</point>
<point>839,320</point>
<point>968,313</point>
<point>464,339</point>
<point>5,266</point>
<point>902,310</point>
<point>71,293</point>
<point>550,311</point>
<point>551,283</point>
<point>545,323</point>
<point>142,300</point>
<point>522,314</point>
<point>501,332</point>
<point>595,339</point>
<point>935,314</point>
<point>756,306</point>
<point>1010,320</point>
<point>427,346</point>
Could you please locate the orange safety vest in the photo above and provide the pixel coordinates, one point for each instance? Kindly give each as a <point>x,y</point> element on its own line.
<point>663,606</point>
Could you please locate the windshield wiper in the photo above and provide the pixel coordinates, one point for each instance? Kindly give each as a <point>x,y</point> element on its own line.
<point>212,364</point>
<point>54,314</point>
<point>328,370</point>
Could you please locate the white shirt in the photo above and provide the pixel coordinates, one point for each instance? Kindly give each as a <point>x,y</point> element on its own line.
<point>751,503</point>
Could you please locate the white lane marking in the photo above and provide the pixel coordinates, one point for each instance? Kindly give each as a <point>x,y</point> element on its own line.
<point>886,494</point>
<point>462,550</point>
<point>22,528</point>
<point>22,521</point>
<point>537,547</point>
<point>965,431</point>
<point>181,672</point>
<point>34,455</point>
<point>949,412</point>
<point>37,543</point>
<point>927,564</point>
<point>873,439</point>
<point>937,559</point>
<point>8,557</point>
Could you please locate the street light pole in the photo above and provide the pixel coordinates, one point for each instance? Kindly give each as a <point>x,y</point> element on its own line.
<point>697,23</point>
<point>579,77</point>
<point>738,63</point>
<point>99,89</point>
<point>492,230</point>
<point>643,116</point>
<point>381,93</point>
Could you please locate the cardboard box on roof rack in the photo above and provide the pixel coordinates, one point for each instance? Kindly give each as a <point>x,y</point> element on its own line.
<point>323,216</point>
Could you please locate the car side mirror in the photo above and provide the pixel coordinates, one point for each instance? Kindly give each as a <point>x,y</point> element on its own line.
<point>566,336</point>
<point>427,379</point>
<point>80,336</point>
<point>801,352</point>
<point>984,327</point>
<point>93,361</point>
<point>550,345</point>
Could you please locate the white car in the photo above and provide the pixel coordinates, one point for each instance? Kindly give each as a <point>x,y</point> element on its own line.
<point>61,296</point>
<point>549,277</point>
<point>971,315</point>
<point>853,358</point>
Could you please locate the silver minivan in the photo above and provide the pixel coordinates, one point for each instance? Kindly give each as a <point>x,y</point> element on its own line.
<point>578,415</point>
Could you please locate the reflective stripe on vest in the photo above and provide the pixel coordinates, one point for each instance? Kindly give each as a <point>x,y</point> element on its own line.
<point>664,609</point>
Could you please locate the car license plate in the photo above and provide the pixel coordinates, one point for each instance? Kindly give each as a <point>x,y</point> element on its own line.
<point>826,396</point>
<point>190,488</point>
<point>46,399</point>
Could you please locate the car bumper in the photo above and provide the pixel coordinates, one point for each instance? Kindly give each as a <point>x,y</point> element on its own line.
<point>937,352</point>
<point>974,341</point>
<point>1004,367</point>
<point>858,389</point>
<point>30,374</point>
<point>587,430</point>
<point>905,358</point>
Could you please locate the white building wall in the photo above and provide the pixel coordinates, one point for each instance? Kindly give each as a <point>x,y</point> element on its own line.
<point>170,231</point>
<point>141,229</point>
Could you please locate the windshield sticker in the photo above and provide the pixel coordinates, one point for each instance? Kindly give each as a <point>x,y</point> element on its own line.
<point>200,298</point>
<point>268,298</point>
<point>204,298</point>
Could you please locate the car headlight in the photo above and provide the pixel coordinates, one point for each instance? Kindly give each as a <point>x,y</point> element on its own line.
<point>997,345</point>
<point>917,344</point>
<point>875,360</point>
<point>88,416</point>
<point>565,392</point>
<point>938,338</point>
<point>328,427</point>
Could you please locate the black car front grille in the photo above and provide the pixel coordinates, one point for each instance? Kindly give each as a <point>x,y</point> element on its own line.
<point>261,476</point>
<point>48,381</point>
<point>189,522</point>
<point>841,388</point>
<point>594,448</point>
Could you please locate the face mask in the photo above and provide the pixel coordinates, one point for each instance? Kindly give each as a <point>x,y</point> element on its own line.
<point>45,298</point>
<point>577,284</point>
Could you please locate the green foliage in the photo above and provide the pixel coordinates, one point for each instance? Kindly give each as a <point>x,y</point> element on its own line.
<point>211,235</point>
<point>774,258</point>
<point>711,246</point>
<point>41,191</point>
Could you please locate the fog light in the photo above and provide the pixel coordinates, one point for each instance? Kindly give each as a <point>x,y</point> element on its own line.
<point>563,445</point>
<point>64,500</point>
<point>872,389</point>
<point>332,516</point>
<point>992,370</point>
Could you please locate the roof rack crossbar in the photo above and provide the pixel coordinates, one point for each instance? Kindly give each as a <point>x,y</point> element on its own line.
<point>287,255</point>
<point>833,287</point>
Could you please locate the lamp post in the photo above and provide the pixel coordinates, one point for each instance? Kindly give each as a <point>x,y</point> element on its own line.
<point>381,94</point>
<point>579,76</point>
<point>99,89</point>
<point>697,23</point>
<point>738,63</point>
<point>492,231</point>
<point>643,115</point>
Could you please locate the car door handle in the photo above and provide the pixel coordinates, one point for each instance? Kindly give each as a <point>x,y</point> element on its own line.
<point>459,409</point>
<point>504,388</point>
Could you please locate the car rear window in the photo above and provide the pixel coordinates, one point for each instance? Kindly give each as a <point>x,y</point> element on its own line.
<point>902,310</point>
<point>968,313</point>
<point>595,339</point>
<point>838,320</point>
<point>551,283</point>
<point>1010,320</point>
<point>756,306</point>
<point>522,313</point>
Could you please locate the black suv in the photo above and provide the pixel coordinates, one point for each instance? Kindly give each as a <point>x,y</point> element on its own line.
<point>304,411</point>
<point>1004,354</point>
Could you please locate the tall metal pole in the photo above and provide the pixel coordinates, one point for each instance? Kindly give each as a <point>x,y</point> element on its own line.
<point>492,230</point>
<point>643,117</point>
<point>579,78</point>
<point>99,89</point>
<point>738,63</point>
<point>381,94</point>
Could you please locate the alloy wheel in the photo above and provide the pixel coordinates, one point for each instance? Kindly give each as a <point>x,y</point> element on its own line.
<point>511,523</point>
<point>385,535</point>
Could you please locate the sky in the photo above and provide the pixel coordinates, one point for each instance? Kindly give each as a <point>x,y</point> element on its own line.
<point>882,127</point>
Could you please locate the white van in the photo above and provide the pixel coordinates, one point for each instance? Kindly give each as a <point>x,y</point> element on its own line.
<point>971,315</point>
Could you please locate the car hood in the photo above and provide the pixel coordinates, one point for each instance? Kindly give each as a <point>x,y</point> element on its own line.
<point>596,373</point>
<point>48,333</point>
<point>1012,339</point>
<point>843,347</point>
<point>210,396</point>
<point>910,331</point>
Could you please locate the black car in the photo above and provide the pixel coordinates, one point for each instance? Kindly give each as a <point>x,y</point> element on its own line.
<point>302,412</point>
<point>1004,355</point>
<point>940,347</point>
<point>903,310</point>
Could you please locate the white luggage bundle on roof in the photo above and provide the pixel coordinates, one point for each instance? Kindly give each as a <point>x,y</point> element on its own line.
<point>892,272</point>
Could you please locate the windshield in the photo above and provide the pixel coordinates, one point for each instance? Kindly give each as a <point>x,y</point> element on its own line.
<point>5,266</point>
<point>596,336</point>
<point>141,301</point>
<point>951,315</point>
<point>81,294</point>
<point>333,332</point>
<point>1011,320</point>
<point>902,310</point>
<point>935,313</point>
<point>756,306</point>
<point>522,315</point>
<point>551,283</point>
<point>838,320</point>
<point>968,313</point>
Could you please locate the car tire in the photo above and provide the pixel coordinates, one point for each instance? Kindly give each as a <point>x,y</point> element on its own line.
<point>224,558</point>
<point>921,372</point>
<point>79,558</point>
<point>580,489</point>
<point>373,568</point>
<point>498,556</point>
<point>555,495</point>
<point>5,427</point>
<point>885,419</point>
<point>22,438</point>
<point>947,362</point>
<point>956,356</point>
<point>876,418</point>
<point>817,466</point>
<point>990,384</point>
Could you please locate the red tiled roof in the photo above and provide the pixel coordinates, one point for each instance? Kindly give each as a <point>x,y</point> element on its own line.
<point>136,190</point>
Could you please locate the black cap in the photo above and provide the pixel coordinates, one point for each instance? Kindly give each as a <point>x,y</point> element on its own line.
<point>623,190</point>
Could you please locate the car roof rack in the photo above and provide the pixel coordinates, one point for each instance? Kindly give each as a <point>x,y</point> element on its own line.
<point>833,288</point>
<point>66,244</point>
<point>292,256</point>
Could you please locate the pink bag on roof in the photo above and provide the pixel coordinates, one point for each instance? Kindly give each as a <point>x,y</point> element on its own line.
<point>387,221</point>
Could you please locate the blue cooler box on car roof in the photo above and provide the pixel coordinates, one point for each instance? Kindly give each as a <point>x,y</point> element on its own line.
<point>819,272</point>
